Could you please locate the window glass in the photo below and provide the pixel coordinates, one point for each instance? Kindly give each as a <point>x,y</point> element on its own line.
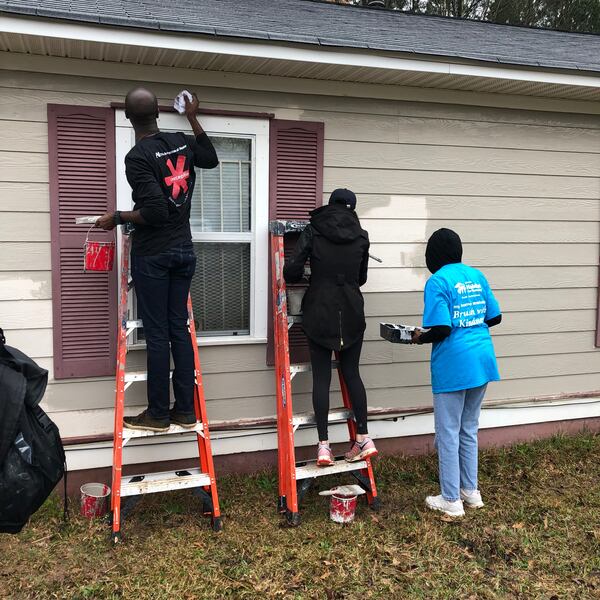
<point>222,195</point>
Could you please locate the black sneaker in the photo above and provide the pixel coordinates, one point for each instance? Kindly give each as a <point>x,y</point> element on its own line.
<point>145,422</point>
<point>183,420</point>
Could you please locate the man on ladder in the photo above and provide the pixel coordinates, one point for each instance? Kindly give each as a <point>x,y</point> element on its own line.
<point>160,170</point>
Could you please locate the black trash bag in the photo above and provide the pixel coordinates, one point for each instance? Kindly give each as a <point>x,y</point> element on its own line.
<point>32,457</point>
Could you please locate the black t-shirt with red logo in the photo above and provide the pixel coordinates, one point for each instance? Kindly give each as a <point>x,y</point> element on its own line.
<point>160,171</point>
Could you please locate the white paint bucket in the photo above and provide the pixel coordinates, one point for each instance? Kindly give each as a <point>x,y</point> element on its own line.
<point>294,300</point>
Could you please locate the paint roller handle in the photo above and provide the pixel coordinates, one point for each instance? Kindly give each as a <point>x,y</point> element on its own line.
<point>375,258</point>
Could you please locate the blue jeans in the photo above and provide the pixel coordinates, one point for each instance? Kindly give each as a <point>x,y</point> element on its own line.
<point>162,284</point>
<point>456,416</point>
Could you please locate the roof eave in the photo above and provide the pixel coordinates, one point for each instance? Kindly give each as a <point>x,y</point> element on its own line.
<point>370,65</point>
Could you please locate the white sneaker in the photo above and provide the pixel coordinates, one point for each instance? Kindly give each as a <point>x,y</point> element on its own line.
<point>452,509</point>
<point>471,499</point>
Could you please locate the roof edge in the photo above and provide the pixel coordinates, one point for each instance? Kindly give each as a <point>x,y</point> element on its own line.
<point>316,52</point>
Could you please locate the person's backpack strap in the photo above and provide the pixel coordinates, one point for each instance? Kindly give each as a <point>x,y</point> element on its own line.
<point>13,387</point>
<point>65,497</point>
<point>46,422</point>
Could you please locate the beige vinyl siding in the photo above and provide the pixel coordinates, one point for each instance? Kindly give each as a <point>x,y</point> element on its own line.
<point>521,187</point>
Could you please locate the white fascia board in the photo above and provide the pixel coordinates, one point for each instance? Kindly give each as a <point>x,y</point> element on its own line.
<point>272,50</point>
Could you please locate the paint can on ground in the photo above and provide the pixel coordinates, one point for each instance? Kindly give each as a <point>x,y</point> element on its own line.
<point>94,499</point>
<point>342,508</point>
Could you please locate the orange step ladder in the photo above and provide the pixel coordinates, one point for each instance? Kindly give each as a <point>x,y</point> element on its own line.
<point>296,477</point>
<point>128,489</point>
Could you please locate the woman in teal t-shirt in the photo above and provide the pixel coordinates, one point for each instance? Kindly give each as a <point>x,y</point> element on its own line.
<point>459,310</point>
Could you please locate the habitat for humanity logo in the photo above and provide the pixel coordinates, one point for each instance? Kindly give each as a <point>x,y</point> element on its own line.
<point>468,287</point>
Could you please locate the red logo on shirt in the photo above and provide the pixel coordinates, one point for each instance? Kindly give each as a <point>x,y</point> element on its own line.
<point>178,177</point>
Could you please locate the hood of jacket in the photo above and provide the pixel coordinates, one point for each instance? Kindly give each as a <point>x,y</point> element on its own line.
<point>443,248</point>
<point>337,223</point>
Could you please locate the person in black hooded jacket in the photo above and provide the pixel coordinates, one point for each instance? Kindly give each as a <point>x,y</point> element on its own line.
<point>333,311</point>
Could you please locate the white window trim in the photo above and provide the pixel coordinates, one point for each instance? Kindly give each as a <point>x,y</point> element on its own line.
<point>258,131</point>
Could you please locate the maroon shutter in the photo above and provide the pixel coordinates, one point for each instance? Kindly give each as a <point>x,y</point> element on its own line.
<point>296,188</point>
<point>81,149</point>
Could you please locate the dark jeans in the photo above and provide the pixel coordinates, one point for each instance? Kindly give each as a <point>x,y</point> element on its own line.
<point>320,359</point>
<point>162,284</point>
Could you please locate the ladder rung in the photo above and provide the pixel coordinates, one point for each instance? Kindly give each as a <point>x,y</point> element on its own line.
<point>305,367</point>
<point>310,469</point>
<point>131,376</point>
<point>133,485</point>
<point>140,433</point>
<point>131,326</point>
<point>339,414</point>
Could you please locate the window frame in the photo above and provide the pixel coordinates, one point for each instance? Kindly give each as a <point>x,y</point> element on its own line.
<point>257,130</point>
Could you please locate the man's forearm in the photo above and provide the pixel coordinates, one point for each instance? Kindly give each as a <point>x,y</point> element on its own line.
<point>132,216</point>
<point>196,127</point>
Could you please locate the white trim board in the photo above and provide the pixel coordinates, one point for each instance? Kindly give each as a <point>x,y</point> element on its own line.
<point>278,51</point>
<point>257,130</point>
<point>96,455</point>
<point>11,61</point>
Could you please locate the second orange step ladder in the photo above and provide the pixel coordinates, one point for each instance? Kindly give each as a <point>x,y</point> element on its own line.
<point>295,477</point>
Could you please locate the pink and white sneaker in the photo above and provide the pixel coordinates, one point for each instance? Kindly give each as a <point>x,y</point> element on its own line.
<point>361,451</point>
<point>324,455</point>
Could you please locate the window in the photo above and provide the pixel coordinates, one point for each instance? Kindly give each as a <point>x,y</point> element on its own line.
<point>229,221</point>
<point>221,221</point>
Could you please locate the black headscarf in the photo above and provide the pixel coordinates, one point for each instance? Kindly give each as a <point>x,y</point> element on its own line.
<point>443,248</point>
<point>343,196</point>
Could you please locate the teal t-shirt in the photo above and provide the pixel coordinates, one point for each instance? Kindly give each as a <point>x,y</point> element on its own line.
<point>460,297</point>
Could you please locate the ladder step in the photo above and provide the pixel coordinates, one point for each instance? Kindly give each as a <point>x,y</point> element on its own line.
<point>337,414</point>
<point>293,319</point>
<point>131,376</point>
<point>140,433</point>
<point>305,367</point>
<point>133,485</point>
<point>131,326</point>
<point>309,469</point>
<point>135,324</point>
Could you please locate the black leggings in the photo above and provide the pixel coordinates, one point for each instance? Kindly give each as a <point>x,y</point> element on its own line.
<point>320,359</point>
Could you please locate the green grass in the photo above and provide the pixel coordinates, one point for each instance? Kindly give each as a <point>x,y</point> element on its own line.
<point>537,537</point>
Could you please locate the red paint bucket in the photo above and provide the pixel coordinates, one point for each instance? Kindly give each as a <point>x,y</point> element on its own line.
<point>94,499</point>
<point>342,508</point>
<point>98,256</point>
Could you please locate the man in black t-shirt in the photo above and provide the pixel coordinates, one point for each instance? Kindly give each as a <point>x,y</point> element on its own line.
<point>160,171</point>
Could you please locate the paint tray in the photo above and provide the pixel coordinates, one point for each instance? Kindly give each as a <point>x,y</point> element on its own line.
<point>344,490</point>
<point>398,334</point>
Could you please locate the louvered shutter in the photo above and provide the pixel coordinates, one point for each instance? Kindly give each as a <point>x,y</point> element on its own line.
<point>296,188</point>
<point>81,149</point>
